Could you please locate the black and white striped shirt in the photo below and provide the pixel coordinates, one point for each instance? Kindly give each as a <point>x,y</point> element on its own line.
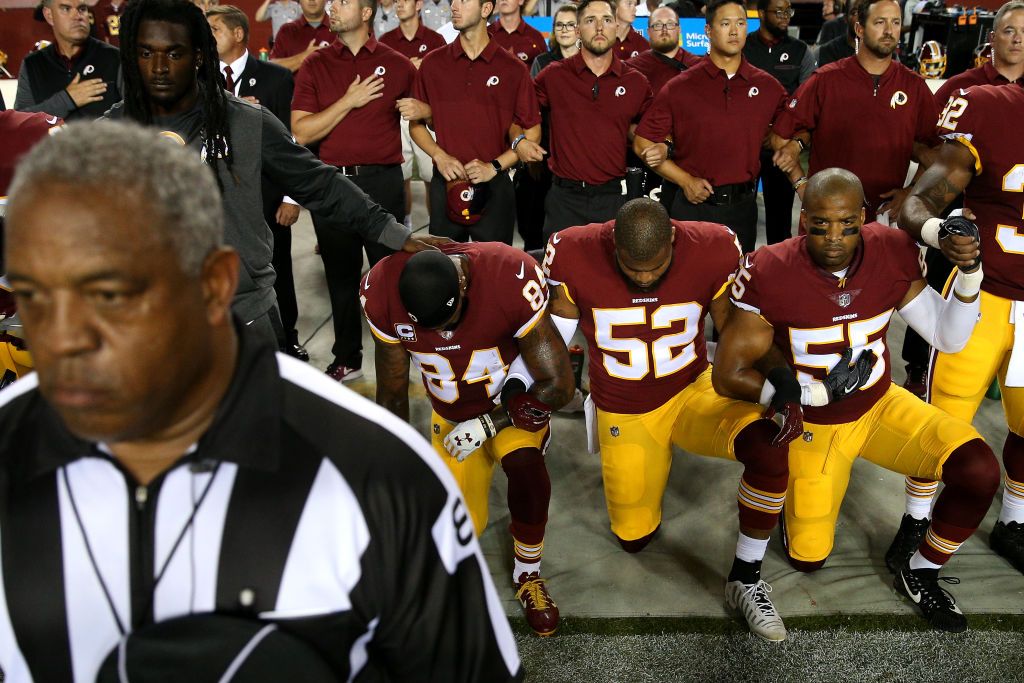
<point>322,513</point>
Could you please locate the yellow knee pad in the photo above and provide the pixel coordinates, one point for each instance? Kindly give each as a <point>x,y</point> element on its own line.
<point>810,518</point>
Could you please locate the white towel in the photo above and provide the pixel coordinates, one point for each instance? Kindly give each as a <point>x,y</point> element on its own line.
<point>590,412</point>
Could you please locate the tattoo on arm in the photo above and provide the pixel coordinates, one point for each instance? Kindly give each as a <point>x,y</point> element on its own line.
<point>392,364</point>
<point>548,361</point>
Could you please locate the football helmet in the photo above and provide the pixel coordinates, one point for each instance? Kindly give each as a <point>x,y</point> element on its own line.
<point>983,54</point>
<point>931,59</point>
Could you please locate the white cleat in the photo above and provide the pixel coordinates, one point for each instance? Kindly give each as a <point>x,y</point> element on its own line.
<point>751,600</point>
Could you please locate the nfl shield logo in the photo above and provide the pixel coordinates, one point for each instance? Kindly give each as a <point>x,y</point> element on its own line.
<point>614,431</point>
<point>844,300</point>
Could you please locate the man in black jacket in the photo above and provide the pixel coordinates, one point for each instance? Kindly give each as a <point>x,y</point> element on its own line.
<point>271,86</point>
<point>168,56</point>
<point>75,76</point>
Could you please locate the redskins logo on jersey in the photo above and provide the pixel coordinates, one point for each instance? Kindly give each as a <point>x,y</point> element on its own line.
<point>899,98</point>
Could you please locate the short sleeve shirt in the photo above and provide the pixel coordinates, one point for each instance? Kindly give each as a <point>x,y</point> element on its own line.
<point>660,69</point>
<point>463,371</point>
<point>475,101</point>
<point>632,46</point>
<point>718,124</point>
<point>590,117</point>
<point>370,134</point>
<point>644,346</point>
<point>833,313</point>
<point>868,128</point>
<point>526,42</point>
<point>294,37</point>
<point>423,42</point>
<point>978,118</point>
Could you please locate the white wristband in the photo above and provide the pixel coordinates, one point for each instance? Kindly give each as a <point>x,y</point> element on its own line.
<point>814,394</point>
<point>968,285</point>
<point>930,232</point>
<point>767,391</point>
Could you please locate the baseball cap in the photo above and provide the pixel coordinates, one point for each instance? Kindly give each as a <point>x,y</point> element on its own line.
<point>466,201</point>
<point>429,288</point>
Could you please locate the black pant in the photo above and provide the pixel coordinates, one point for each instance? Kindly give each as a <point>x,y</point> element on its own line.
<point>566,207</point>
<point>284,281</point>
<point>530,195</point>
<point>496,223</point>
<point>342,253</point>
<point>778,195</point>
<point>915,348</point>
<point>741,216</point>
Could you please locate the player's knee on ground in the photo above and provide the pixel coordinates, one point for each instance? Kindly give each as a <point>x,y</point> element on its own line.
<point>1013,456</point>
<point>529,492</point>
<point>638,544</point>
<point>805,567</point>
<point>809,524</point>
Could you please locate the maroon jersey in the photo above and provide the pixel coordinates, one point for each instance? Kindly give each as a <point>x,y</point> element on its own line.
<point>464,370</point>
<point>19,131</point>
<point>423,41</point>
<point>634,45</point>
<point>866,126</point>
<point>659,68</point>
<point>645,345</point>
<point>829,313</point>
<point>525,42</point>
<point>985,74</point>
<point>980,119</point>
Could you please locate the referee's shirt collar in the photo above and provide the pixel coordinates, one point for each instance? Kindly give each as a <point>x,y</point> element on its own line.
<point>245,430</point>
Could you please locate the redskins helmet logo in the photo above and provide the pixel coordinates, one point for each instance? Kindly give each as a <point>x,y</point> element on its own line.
<point>493,80</point>
<point>784,57</point>
<point>753,92</point>
<point>523,56</point>
<point>423,48</point>
<point>466,195</point>
<point>899,98</point>
<point>379,71</point>
<point>620,91</point>
<point>88,70</point>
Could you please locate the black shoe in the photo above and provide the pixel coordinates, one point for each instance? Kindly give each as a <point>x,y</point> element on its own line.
<point>936,603</point>
<point>296,351</point>
<point>907,540</point>
<point>917,380</point>
<point>1007,540</point>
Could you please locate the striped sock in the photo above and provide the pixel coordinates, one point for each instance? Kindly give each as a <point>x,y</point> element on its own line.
<point>1013,501</point>
<point>527,558</point>
<point>759,509</point>
<point>936,549</point>
<point>919,494</point>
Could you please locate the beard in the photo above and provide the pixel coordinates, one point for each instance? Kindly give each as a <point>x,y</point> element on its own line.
<point>776,31</point>
<point>878,49</point>
<point>664,45</point>
<point>597,50</point>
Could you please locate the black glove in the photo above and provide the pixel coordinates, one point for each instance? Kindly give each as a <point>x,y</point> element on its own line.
<point>785,409</point>
<point>844,379</point>
<point>961,227</point>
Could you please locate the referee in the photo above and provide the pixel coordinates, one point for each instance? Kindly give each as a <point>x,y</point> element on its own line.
<point>161,473</point>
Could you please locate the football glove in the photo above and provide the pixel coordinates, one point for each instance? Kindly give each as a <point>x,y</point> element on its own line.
<point>528,412</point>
<point>844,379</point>
<point>961,227</point>
<point>468,435</point>
<point>785,409</point>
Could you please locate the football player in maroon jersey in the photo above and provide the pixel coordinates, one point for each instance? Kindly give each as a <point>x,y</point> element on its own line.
<point>984,159</point>
<point>639,287</point>
<point>851,278</point>
<point>462,315</point>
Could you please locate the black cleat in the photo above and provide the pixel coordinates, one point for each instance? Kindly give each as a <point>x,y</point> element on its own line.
<point>936,603</point>
<point>917,381</point>
<point>1007,540</point>
<point>906,541</point>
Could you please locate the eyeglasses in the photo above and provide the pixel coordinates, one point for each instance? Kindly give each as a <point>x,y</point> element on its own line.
<point>784,13</point>
<point>565,25</point>
<point>664,26</point>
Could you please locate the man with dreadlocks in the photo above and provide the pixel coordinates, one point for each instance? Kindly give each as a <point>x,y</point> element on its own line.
<point>170,65</point>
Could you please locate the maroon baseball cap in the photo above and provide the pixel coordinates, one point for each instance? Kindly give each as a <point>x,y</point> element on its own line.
<point>466,201</point>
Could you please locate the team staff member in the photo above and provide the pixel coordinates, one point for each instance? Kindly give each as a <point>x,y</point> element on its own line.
<point>872,98</point>
<point>851,278</point>
<point>511,32</point>
<point>414,40</point>
<point>345,100</point>
<point>474,92</point>
<point>716,173</point>
<point>594,101</point>
<point>565,36</point>
<point>618,280</point>
<point>1006,66</point>
<point>980,158</point>
<point>178,468</point>
<point>772,50</point>
<point>629,42</point>
<point>660,64</point>
<point>271,86</point>
<point>843,46</point>
<point>185,98</point>
<point>299,39</point>
<point>75,76</point>
<point>464,316</point>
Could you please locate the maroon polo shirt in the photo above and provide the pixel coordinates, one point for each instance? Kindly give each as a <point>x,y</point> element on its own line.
<point>525,42</point>
<point>475,101</point>
<point>659,68</point>
<point>986,74</point>
<point>370,134</point>
<point>293,37</point>
<point>718,124</point>
<point>633,46</point>
<point>867,128</point>
<point>589,135</point>
<point>422,42</point>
